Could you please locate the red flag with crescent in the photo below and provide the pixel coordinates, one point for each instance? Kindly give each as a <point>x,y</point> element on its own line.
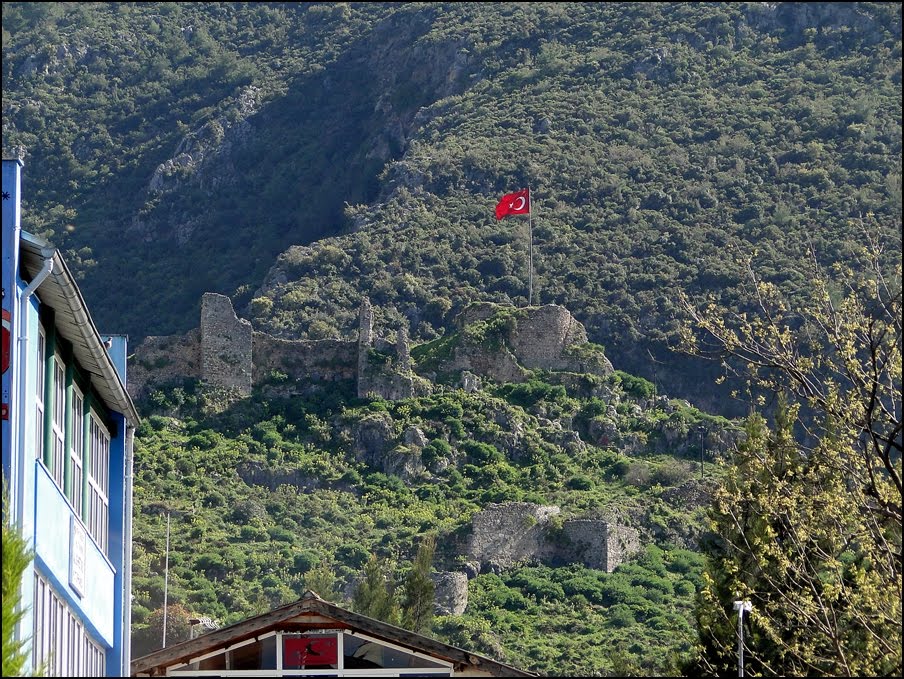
<point>517,203</point>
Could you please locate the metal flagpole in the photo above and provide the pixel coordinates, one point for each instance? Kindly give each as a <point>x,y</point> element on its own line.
<point>530,257</point>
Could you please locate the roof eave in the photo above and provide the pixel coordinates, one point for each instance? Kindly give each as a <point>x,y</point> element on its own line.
<point>62,278</point>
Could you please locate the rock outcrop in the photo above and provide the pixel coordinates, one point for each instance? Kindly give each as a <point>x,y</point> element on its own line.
<point>503,535</point>
<point>450,593</point>
<point>506,343</point>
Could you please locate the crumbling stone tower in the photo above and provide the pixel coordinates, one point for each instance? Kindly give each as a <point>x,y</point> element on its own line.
<point>225,345</point>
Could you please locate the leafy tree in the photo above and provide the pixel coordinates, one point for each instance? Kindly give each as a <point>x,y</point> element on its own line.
<point>322,580</point>
<point>418,591</point>
<point>375,594</point>
<point>810,516</point>
<point>16,557</point>
<point>150,638</point>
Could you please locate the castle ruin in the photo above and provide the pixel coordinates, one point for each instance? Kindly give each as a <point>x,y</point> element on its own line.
<point>226,351</point>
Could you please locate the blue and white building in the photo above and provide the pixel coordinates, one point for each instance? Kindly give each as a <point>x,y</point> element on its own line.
<point>68,425</point>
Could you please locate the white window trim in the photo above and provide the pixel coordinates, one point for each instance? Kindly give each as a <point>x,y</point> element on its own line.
<point>61,639</point>
<point>40,382</point>
<point>58,450</point>
<point>77,450</point>
<point>98,484</point>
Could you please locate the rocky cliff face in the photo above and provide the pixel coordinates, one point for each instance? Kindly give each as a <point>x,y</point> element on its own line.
<point>505,343</point>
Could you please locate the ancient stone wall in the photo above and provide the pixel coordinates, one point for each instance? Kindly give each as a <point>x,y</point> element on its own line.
<point>545,338</point>
<point>496,364</point>
<point>598,544</point>
<point>503,535</point>
<point>450,593</point>
<point>541,337</point>
<point>384,370</point>
<point>365,343</point>
<point>306,360</point>
<point>164,358</point>
<point>226,343</point>
<point>226,352</point>
<point>621,542</point>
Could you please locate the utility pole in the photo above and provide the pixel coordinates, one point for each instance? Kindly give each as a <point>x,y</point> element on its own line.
<point>166,580</point>
<point>530,257</point>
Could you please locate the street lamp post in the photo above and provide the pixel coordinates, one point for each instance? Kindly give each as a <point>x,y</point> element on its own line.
<point>741,607</point>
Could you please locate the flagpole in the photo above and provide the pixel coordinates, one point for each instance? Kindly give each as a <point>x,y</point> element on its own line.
<point>530,257</point>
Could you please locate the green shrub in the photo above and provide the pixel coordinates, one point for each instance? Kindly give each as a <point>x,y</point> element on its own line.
<point>620,615</point>
<point>580,482</point>
<point>482,453</point>
<point>637,387</point>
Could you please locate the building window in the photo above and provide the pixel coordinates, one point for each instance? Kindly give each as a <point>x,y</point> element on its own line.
<point>58,428</point>
<point>99,482</point>
<point>77,449</point>
<point>60,643</point>
<point>329,653</point>
<point>39,394</point>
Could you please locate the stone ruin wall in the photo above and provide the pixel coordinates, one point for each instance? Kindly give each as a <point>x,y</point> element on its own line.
<point>226,342</point>
<point>164,358</point>
<point>503,535</point>
<point>310,360</point>
<point>226,352</point>
<point>541,338</point>
<point>598,544</point>
<point>450,592</point>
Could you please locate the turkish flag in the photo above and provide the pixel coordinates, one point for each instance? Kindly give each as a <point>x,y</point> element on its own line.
<point>517,203</point>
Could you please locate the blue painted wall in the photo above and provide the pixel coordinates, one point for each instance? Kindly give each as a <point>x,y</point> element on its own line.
<point>46,516</point>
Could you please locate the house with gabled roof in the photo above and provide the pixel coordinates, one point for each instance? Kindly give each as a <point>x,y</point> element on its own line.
<point>313,637</point>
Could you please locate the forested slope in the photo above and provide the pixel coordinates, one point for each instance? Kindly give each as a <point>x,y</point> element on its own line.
<point>177,148</point>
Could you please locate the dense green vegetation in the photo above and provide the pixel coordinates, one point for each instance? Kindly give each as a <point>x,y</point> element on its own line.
<point>298,156</point>
<point>272,495</point>
<point>658,139</point>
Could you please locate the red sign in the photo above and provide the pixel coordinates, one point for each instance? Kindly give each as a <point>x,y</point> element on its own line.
<point>6,328</point>
<point>308,652</point>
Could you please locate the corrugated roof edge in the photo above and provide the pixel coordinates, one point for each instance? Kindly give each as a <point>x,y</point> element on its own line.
<point>62,277</point>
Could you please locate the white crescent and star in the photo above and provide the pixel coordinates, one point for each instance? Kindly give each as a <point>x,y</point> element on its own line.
<point>516,206</point>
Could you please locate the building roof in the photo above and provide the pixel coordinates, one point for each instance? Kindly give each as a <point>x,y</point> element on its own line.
<point>308,613</point>
<point>74,323</point>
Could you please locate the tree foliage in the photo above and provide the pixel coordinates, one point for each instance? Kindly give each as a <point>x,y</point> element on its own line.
<point>418,589</point>
<point>16,557</point>
<point>810,514</point>
<point>375,595</point>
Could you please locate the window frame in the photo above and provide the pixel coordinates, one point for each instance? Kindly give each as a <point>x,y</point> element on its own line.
<point>98,518</point>
<point>77,450</point>
<point>60,640</point>
<point>40,383</point>
<point>58,450</point>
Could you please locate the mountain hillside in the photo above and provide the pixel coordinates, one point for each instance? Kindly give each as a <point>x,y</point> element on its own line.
<point>297,156</point>
<point>568,500</point>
